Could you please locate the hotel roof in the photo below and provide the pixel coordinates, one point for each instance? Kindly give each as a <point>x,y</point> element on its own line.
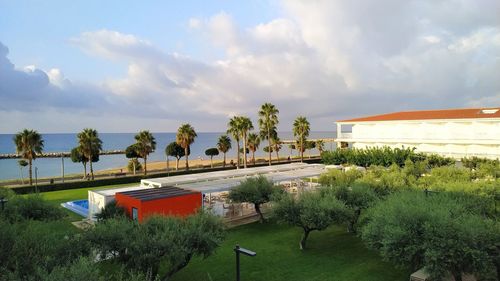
<point>469,113</point>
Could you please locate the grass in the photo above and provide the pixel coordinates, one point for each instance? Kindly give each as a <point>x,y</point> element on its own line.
<point>332,254</point>
<point>61,196</point>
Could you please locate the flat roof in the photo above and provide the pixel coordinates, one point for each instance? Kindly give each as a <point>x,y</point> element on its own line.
<point>112,191</point>
<point>465,113</point>
<point>157,193</point>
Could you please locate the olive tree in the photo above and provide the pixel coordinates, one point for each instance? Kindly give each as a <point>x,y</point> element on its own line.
<point>437,232</point>
<point>310,211</point>
<point>257,190</point>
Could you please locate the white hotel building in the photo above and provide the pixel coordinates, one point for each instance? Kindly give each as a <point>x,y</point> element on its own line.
<point>455,132</point>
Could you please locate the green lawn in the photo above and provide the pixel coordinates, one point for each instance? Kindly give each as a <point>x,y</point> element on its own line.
<point>332,254</point>
<point>58,197</point>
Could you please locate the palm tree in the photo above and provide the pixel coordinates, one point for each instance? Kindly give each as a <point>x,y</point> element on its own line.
<point>301,128</point>
<point>253,144</point>
<point>29,143</point>
<point>233,128</point>
<point>268,120</point>
<point>185,137</point>
<point>224,145</point>
<point>89,144</point>
<point>145,144</point>
<point>276,144</point>
<point>245,126</point>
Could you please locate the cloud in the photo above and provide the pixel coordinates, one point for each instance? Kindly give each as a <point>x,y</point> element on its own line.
<point>323,59</point>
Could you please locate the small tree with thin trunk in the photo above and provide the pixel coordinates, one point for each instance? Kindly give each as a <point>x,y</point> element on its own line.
<point>131,153</point>
<point>310,211</point>
<point>211,152</point>
<point>175,150</point>
<point>224,145</point>
<point>22,163</point>
<point>77,157</point>
<point>256,190</point>
<point>29,143</point>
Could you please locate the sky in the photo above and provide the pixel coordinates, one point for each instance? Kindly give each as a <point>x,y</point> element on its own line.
<point>125,66</point>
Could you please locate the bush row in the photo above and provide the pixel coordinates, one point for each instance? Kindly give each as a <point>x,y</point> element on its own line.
<point>382,156</point>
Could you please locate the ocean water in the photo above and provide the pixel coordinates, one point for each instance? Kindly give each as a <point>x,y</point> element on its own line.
<point>51,167</point>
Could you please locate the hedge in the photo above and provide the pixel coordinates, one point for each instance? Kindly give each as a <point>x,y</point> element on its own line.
<point>122,180</point>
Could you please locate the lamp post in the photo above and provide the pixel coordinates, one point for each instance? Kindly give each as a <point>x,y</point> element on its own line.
<point>237,251</point>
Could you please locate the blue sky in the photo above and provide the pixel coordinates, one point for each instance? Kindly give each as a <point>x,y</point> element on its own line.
<point>38,32</point>
<point>123,66</point>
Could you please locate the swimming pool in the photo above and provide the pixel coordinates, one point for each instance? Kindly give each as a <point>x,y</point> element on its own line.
<point>80,207</point>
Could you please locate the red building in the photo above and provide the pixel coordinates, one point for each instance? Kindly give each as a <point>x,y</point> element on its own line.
<point>142,203</point>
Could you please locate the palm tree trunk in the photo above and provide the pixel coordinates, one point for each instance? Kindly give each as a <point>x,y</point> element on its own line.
<point>269,142</point>
<point>30,171</point>
<point>21,174</point>
<point>145,165</point>
<point>301,150</point>
<point>91,169</point>
<point>238,153</point>
<point>253,157</point>
<point>187,158</point>
<point>245,150</point>
<point>277,155</point>
<point>224,163</point>
<point>84,170</point>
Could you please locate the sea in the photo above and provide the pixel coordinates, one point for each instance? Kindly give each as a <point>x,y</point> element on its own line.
<point>52,167</point>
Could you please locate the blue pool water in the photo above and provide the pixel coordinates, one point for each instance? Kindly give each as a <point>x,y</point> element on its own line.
<point>80,207</point>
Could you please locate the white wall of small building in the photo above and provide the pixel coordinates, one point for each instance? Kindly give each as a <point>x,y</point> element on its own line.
<point>455,138</point>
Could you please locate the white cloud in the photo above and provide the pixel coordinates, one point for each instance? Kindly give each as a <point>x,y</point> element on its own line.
<point>322,59</point>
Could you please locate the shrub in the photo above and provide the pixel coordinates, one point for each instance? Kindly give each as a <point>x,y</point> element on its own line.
<point>382,156</point>
<point>339,178</point>
<point>435,231</point>
<point>474,162</point>
<point>31,207</point>
<point>6,193</point>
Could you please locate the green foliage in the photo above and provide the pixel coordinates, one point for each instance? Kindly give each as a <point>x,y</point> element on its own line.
<point>6,192</point>
<point>30,248</point>
<point>333,177</point>
<point>383,156</point>
<point>112,210</point>
<point>385,181</point>
<point>82,269</point>
<point>185,137</point>
<point>166,242</point>
<point>175,150</point>
<point>310,211</point>
<point>474,162</point>
<point>436,231</point>
<point>357,197</point>
<point>211,152</point>
<point>255,190</point>
<point>22,163</point>
<point>31,207</point>
<point>134,163</point>
<point>131,151</point>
